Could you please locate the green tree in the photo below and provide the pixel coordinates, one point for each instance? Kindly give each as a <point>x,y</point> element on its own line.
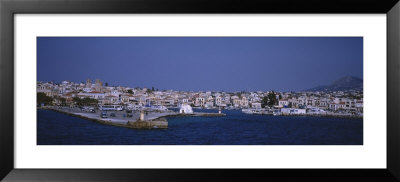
<point>264,101</point>
<point>89,101</point>
<point>42,98</point>
<point>77,101</point>
<point>106,84</point>
<point>85,101</point>
<point>272,99</point>
<point>63,101</point>
<point>130,91</point>
<point>280,96</point>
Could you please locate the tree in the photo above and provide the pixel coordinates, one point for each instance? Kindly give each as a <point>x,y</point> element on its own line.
<point>272,99</point>
<point>130,91</point>
<point>42,98</point>
<point>63,101</point>
<point>106,84</point>
<point>264,101</point>
<point>85,101</point>
<point>89,101</point>
<point>77,101</point>
<point>280,96</point>
<point>152,89</point>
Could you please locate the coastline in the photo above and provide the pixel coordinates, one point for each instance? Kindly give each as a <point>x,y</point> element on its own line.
<point>330,115</point>
<point>317,115</point>
<point>235,129</point>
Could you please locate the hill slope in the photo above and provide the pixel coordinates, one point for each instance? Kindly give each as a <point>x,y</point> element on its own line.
<point>342,84</point>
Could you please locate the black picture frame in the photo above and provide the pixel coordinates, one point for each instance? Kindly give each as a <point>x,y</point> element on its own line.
<point>8,8</point>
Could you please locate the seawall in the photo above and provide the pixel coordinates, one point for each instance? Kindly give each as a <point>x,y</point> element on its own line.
<point>159,123</point>
<point>153,121</point>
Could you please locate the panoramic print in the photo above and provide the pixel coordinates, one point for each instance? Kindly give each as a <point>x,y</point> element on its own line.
<point>199,91</point>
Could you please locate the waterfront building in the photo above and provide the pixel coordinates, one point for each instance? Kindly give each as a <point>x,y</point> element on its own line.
<point>218,100</point>
<point>236,101</point>
<point>244,102</point>
<point>283,103</point>
<point>125,97</point>
<point>334,106</point>
<point>209,104</point>
<point>256,105</point>
<point>110,99</point>
<point>185,101</point>
<point>200,102</point>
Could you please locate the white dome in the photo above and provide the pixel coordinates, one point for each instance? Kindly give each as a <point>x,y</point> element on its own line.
<point>186,109</point>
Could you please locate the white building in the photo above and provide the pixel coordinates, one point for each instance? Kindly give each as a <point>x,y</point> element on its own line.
<point>283,103</point>
<point>93,95</point>
<point>256,105</point>
<point>185,109</point>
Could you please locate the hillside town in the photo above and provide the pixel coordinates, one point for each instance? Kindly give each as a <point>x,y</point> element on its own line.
<point>97,94</point>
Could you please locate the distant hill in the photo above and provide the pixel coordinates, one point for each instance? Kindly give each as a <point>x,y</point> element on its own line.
<point>342,84</point>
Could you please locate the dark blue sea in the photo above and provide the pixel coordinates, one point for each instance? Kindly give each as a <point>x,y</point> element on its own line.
<point>236,128</point>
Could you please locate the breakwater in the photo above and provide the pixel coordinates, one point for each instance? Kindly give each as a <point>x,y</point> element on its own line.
<point>121,122</point>
<point>152,120</point>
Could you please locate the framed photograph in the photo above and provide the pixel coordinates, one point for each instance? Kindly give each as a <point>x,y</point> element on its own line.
<point>159,90</point>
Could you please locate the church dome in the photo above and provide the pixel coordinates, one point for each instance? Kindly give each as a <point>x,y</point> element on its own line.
<point>186,109</point>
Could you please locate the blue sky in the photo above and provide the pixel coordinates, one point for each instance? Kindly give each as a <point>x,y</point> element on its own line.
<point>201,63</point>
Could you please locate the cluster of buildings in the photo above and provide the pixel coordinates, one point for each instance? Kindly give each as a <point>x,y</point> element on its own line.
<point>339,101</point>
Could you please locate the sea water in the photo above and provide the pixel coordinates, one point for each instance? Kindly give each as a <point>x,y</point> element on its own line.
<point>236,128</point>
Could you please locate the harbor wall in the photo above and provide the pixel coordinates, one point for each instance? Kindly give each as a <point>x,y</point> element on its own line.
<point>160,123</point>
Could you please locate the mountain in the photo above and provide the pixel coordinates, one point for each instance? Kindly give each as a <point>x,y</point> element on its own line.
<point>342,84</point>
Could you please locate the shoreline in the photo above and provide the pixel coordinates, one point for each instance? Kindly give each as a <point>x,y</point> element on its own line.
<point>315,115</point>
<point>331,115</point>
<point>306,115</point>
<point>161,122</point>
